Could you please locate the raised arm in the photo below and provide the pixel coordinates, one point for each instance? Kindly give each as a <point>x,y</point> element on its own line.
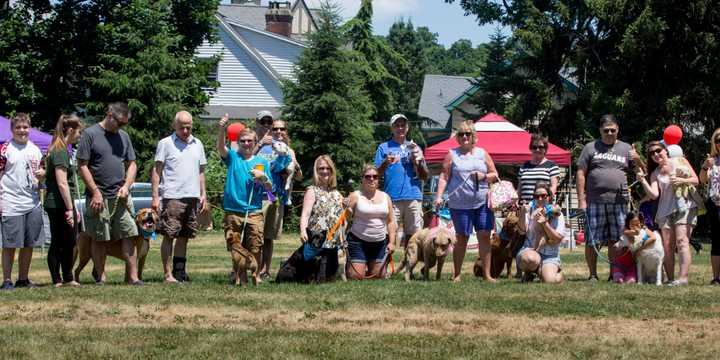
<point>220,144</point>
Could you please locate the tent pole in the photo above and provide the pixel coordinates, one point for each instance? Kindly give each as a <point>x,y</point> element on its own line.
<point>568,203</point>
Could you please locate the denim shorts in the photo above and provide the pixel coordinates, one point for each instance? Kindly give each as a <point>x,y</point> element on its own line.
<point>544,259</point>
<point>363,252</point>
<point>482,219</point>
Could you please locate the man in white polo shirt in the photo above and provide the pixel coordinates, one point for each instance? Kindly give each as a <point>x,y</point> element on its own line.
<point>178,177</point>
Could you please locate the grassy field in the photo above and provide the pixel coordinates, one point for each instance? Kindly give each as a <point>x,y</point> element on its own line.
<point>357,320</point>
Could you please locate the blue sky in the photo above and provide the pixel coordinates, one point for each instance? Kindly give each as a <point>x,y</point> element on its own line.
<point>447,20</point>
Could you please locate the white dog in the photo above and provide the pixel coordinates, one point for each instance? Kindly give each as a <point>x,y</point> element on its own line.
<point>648,259</point>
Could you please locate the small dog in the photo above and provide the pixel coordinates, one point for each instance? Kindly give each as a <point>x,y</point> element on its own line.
<point>430,246</point>
<point>648,261</point>
<point>146,220</point>
<point>243,260</point>
<point>503,252</point>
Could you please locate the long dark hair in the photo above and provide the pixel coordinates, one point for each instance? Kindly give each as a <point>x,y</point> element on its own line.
<point>651,164</point>
<point>631,215</point>
<point>64,124</point>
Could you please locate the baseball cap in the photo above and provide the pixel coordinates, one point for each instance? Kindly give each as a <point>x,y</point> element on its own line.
<point>397,117</point>
<point>262,114</point>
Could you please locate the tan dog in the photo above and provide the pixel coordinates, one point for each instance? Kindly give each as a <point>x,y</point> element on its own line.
<point>502,255</point>
<point>146,220</point>
<point>430,246</point>
<point>243,260</point>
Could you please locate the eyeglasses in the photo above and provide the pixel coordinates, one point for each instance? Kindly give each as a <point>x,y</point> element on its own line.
<point>540,196</point>
<point>370,177</point>
<point>279,129</point>
<point>246,141</point>
<point>537,147</point>
<point>468,134</point>
<point>610,131</point>
<point>655,151</point>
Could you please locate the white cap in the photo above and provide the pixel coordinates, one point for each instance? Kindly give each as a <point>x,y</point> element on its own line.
<point>262,114</point>
<point>397,117</point>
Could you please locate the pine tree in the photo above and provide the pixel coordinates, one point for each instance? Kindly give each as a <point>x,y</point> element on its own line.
<point>326,108</point>
<point>495,80</point>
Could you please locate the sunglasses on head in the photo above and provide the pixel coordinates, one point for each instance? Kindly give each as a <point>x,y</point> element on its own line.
<point>370,177</point>
<point>540,196</point>
<point>468,134</point>
<point>610,131</point>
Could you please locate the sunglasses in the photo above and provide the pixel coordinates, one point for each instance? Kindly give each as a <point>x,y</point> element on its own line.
<point>655,151</point>
<point>324,168</point>
<point>462,134</point>
<point>278,129</point>
<point>610,131</point>
<point>246,141</point>
<point>370,177</point>
<point>717,141</point>
<point>537,148</point>
<point>540,196</point>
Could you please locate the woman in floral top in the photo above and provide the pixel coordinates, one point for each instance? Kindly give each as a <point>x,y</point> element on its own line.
<point>322,206</point>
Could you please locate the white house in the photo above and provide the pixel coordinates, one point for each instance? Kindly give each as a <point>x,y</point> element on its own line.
<point>259,47</point>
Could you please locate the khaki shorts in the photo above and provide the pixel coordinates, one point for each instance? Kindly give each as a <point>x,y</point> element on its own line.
<point>273,213</point>
<point>409,214</point>
<point>687,217</point>
<point>104,227</point>
<point>179,218</point>
<point>253,239</point>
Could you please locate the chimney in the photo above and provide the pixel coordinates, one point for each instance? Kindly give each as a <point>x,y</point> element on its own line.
<point>278,18</point>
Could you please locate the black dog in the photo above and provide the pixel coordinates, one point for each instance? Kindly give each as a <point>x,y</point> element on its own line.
<point>321,268</point>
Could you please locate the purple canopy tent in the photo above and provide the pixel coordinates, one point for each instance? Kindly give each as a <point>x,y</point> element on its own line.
<point>39,138</point>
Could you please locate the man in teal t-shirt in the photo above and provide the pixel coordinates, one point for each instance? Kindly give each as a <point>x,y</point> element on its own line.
<point>248,178</point>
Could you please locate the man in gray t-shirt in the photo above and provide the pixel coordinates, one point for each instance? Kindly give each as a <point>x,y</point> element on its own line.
<point>602,189</point>
<point>106,162</point>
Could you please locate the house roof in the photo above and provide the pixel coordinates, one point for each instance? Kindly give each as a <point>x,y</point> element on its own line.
<point>253,15</point>
<point>439,92</point>
<point>236,112</point>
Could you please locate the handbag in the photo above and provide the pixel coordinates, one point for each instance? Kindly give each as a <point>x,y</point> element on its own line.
<point>502,195</point>
<point>714,185</point>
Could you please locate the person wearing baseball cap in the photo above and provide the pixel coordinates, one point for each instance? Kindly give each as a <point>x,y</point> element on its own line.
<point>401,164</point>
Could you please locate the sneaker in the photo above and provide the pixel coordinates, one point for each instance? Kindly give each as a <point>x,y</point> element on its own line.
<point>137,283</point>
<point>7,285</point>
<point>25,284</point>
<point>715,281</point>
<point>593,278</point>
<point>676,283</point>
<point>265,276</point>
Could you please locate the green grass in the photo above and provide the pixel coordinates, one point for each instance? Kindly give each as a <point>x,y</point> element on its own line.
<point>210,319</point>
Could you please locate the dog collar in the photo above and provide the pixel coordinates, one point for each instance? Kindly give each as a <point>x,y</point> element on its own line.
<point>149,235</point>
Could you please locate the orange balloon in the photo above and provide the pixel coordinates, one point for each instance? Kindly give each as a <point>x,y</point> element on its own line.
<point>233,131</point>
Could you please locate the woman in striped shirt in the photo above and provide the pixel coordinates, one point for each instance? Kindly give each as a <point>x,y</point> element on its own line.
<point>538,169</point>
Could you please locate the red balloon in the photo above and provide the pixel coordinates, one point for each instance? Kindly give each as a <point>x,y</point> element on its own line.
<point>233,131</point>
<point>672,135</point>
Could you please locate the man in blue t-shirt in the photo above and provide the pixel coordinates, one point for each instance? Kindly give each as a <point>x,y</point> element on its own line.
<point>248,178</point>
<point>403,168</point>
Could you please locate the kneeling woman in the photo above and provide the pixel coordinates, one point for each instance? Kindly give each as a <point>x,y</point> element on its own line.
<point>372,235</point>
<point>540,221</point>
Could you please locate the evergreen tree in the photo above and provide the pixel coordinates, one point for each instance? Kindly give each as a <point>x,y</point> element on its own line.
<point>370,55</point>
<point>326,107</point>
<point>494,83</point>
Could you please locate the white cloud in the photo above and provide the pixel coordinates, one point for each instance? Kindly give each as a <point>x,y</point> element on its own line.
<point>381,8</point>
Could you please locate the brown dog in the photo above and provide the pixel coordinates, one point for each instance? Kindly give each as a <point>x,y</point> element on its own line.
<point>146,220</point>
<point>502,255</point>
<point>243,260</point>
<point>429,246</point>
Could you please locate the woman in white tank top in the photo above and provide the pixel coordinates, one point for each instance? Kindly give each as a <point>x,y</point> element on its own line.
<point>676,224</point>
<point>372,235</point>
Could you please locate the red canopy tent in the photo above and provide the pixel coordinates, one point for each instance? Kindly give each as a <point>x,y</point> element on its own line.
<point>507,143</point>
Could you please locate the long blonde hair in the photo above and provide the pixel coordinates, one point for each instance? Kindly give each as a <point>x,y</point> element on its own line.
<point>64,124</point>
<point>713,149</point>
<point>332,183</point>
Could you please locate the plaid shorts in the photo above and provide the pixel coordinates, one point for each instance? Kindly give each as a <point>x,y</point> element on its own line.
<point>604,223</point>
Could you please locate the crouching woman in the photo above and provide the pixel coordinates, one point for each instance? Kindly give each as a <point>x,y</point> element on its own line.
<point>372,234</point>
<point>545,228</point>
